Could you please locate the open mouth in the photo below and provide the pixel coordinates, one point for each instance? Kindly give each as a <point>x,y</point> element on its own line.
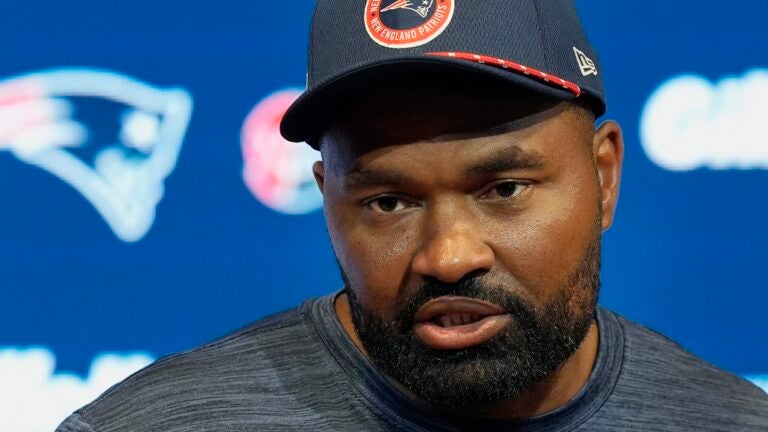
<point>452,322</point>
<point>456,319</point>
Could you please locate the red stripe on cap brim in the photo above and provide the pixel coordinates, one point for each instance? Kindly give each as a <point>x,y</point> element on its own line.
<point>550,79</point>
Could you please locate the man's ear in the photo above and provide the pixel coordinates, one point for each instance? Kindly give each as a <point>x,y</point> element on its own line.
<point>608,153</point>
<point>319,171</point>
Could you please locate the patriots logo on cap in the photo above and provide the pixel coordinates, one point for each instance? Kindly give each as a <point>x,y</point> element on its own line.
<point>62,121</point>
<point>421,10</point>
<point>407,23</point>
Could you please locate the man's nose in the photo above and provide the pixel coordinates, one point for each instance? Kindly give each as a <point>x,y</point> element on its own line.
<point>452,250</point>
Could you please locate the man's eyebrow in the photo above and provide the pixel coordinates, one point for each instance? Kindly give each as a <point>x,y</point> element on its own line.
<point>360,178</point>
<point>511,158</point>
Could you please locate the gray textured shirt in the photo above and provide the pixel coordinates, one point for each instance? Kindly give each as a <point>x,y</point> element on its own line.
<point>298,371</point>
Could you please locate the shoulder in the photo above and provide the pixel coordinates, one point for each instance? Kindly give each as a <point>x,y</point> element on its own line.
<point>253,368</point>
<point>657,372</point>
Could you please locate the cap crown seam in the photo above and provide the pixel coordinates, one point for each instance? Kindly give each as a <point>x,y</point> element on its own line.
<point>310,78</point>
<point>546,66</point>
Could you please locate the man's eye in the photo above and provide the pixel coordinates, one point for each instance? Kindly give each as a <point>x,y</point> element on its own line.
<point>508,189</point>
<point>386,204</point>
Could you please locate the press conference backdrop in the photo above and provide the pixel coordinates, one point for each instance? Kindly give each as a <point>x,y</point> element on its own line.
<point>148,203</point>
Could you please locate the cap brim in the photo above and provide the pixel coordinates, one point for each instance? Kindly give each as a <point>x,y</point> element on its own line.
<point>310,114</point>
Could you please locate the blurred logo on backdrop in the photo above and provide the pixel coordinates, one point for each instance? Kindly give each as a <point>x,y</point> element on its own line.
<point>112,138</point>
<point>278,172</point>
<point>690,122</point>
<point>36,398</point>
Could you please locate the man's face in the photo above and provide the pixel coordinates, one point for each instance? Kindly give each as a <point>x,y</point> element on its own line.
<point>467,227</point>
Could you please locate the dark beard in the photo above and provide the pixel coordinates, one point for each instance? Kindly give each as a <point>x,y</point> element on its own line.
<point>464,381</point>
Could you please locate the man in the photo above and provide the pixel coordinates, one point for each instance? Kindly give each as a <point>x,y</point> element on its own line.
<point>466,189</point>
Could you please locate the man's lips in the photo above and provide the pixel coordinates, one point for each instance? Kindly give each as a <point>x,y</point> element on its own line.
<point>452,322</point>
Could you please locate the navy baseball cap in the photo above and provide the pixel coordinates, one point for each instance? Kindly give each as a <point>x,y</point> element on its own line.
<point>538,46</point>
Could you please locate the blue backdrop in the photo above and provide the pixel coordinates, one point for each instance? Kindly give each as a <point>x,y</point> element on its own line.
<point>204,250</point>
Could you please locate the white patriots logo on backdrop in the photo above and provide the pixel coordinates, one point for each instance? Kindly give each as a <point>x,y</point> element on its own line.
<point>124,179</point>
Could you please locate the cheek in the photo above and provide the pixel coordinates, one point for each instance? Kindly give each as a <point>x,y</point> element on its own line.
<point>545,246</point>
<point>376,263</point>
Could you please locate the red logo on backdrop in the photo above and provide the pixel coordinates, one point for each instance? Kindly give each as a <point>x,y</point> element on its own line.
<point>278,172</point>
<point>407,23</point>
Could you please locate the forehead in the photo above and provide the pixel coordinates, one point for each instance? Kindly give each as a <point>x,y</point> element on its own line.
<point>399,118</point>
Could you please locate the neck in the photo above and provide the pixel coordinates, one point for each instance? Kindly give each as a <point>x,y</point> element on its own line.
<point>546,396</point>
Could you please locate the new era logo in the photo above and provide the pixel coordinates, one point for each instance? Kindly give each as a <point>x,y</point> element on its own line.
<point>586,64</point>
